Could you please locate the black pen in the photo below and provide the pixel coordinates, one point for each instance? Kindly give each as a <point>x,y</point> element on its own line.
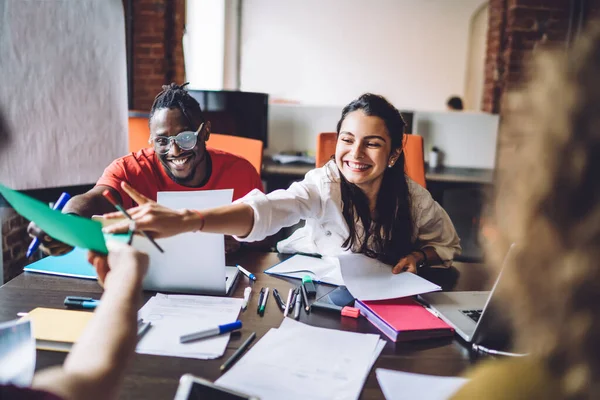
<point>305,299</point>
<point>238,352</point>
<point>293,301</point>
<point>260,299</point>
<point>278,299</point>
<point>298,303</point>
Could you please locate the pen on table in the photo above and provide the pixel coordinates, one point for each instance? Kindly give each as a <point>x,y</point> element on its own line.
<point>60,203</point>
<point>263,305</point>
<point>261,296</point>
<point>81,302</point>
<point>142,328</point>
<point>305,299</point>
<point>238,352</point>
<point>279,300</point>
<point>244,271</point>
<point>247,292</point>
<point>108,195</point>
<point>288,303</point>
<point>217,330</point>
<point>298,304</point>
<point>293,301</point>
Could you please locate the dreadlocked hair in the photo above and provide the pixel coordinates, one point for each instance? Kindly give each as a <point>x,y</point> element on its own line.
<point>176,96</point>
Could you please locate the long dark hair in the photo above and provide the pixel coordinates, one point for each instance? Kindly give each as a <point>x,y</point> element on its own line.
<point>388,234</point>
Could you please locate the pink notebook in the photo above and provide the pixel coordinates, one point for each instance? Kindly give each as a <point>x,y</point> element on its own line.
<point>403,319</point>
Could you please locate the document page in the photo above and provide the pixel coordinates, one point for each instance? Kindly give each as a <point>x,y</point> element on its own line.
<point>298,361</point>
<point>369,279</point>
<point>325,270</point>
<point>398,385</point>
<point>171,316</point>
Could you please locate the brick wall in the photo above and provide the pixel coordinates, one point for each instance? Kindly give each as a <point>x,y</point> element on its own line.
<point>158,27</point>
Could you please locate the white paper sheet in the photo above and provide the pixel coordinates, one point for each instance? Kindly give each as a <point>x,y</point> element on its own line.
<point>174,315</point>
<point>299,361</point>
<point>397,385</point>
<point>324,270</point>
<point>369,279</point>
<point>17,353</point>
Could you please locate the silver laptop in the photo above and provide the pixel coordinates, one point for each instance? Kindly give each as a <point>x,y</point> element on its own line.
<point>475,316</point>
<point>192,262</point>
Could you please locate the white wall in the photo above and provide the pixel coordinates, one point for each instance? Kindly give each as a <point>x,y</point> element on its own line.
<point>327,52</point>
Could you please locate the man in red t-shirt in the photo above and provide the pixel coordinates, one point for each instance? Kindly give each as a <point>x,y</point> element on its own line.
<point>178,161</point>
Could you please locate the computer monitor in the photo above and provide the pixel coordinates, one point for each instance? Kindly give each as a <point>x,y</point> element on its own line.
<point>235,113</point>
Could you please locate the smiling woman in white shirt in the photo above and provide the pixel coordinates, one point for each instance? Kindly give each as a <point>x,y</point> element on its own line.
<point>364,186</point>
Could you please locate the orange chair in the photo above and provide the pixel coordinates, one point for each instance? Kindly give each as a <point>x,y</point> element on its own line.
<point>413,152</point>
<point>139,131</point>
<point>250,149</point>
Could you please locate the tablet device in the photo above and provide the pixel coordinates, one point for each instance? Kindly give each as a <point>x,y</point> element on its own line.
<point>194,388</point>
<point>339,296</point>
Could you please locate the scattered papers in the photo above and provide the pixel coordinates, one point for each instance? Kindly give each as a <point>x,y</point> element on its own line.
<point>397,385</point>
<point>174,315</point>
<point>298,361</point>
<point>323,270</point>
<point>369,279</point>
<point>17,353</point>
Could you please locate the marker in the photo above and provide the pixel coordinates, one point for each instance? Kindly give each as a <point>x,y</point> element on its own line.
<point>81,302</point>
<point>305,299</point>
<point>263,306</point>
<point>279,300</point>
<point>218,330</point>
<point>142,328</point>
<point>109,196</point>
<point>244,271</point>
<point>298,304</point>
<point>247,292</point>
<point>60,203</point>
<point>238,352</point>
<point>288,303</point>
<point>261,296</point>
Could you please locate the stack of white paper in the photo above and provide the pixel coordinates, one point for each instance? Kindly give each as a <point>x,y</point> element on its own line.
<point>397,385</point>
<point>324,270</point>
<point>174,315</point>
<point>298,361</point>
<point>369,279</point>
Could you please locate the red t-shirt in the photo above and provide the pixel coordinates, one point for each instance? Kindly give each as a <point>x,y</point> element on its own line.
<point>145,173</point>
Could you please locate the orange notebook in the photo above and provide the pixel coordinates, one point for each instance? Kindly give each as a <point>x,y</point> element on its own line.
<point>403,319</point>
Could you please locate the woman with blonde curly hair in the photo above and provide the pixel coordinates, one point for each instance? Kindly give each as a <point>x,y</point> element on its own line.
<point>550,207</point>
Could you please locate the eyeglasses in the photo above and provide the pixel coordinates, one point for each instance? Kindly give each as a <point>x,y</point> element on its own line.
<point>185,140</point>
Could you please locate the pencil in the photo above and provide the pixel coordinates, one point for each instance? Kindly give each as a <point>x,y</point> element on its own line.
<point>238,352</point>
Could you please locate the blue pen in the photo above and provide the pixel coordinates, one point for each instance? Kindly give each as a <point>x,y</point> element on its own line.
<point>60,203</point>
<point>219,330</point>
<point>81,302</point>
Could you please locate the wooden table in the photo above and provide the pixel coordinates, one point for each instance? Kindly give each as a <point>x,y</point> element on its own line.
<point>155,377</point>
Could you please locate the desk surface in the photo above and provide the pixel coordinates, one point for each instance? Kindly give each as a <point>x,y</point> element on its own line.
<point>154,377</point>
<point>446,174</point>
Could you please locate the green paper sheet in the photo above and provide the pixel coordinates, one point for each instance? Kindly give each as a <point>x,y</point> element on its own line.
<point>70,229</point>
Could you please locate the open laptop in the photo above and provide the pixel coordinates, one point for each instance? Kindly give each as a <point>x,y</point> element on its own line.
<point>475,315</point>
<point>192,262</point>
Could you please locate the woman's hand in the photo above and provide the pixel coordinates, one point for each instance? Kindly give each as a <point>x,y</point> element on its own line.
<point>122,263</point>
<point>407,264</point>
<point>151,217</point>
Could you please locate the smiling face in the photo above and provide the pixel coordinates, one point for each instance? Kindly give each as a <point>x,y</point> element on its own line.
<point>364,150</point>
<point>186,167</point>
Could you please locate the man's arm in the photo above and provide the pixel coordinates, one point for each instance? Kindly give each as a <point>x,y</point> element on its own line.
<point>95,366</point>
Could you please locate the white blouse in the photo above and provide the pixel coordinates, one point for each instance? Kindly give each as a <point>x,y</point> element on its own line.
<point>317,199</point>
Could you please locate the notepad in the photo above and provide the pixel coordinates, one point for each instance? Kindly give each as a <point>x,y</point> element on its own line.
<point>57,330</point>
<point>322,270</point>
<point>73,264</point>
<point>403,319</point>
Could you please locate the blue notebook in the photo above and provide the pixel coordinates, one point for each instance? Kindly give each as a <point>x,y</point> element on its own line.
<point>73,264</point>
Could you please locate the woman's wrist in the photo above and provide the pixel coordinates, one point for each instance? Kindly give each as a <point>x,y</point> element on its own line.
<point>193,220</point>
<point>420,256</point>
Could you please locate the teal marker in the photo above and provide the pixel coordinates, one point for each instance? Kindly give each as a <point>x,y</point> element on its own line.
<point>261,310</point>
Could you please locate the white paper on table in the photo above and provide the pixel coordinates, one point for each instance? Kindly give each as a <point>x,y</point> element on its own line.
<point>369,279</point>
<point>323,270</point>
<point>17,353</point>
<point>298,361</point>
<point>174,315</point>
<point>398,385</point>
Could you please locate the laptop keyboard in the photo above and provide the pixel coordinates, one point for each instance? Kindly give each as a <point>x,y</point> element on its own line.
<point>473,314</point>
